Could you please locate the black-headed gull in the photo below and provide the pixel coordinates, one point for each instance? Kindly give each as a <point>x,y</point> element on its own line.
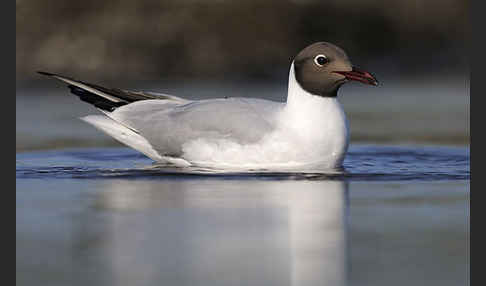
<point>308,131</point>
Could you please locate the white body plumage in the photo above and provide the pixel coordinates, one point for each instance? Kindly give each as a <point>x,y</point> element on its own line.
<point>306,132</point>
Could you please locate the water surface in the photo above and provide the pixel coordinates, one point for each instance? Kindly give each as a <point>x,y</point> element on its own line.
<point>94,216</point>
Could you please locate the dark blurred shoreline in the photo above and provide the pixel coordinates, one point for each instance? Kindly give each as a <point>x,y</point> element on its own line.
<point>218,39</point>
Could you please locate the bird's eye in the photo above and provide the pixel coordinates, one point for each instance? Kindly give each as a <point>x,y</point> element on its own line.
<point>321,60</point>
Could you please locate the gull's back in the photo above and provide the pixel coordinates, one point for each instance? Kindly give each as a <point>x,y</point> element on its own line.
<point>168,125</point>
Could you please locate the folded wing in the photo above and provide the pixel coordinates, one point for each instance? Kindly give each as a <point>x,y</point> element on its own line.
<point>169,125</point>
<point>159,125</point>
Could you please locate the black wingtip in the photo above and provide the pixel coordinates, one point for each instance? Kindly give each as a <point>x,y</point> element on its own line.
<point>45,73</point>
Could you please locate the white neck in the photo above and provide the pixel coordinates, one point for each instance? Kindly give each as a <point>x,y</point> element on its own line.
<point>296,95</point>
<point>319,121</point>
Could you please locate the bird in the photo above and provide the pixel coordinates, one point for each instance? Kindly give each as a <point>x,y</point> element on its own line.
<point>308,131</point>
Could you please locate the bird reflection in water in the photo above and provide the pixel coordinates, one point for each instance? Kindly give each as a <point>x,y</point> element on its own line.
<point>226,232</point>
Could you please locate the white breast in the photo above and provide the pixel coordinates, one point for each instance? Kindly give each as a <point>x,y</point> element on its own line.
<point>318,124</point>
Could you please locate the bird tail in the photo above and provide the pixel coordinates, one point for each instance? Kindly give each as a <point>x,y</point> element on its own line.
<point>107,99</point>
<point>123,134</point>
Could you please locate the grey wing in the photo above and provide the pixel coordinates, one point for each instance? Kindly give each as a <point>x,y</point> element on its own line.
<point>168,124</point>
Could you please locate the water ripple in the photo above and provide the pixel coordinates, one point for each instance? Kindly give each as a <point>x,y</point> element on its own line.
<point>363,163</point>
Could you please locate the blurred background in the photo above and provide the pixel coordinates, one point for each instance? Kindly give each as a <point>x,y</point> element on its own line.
<point>417,49</point>
<point>80,222</point>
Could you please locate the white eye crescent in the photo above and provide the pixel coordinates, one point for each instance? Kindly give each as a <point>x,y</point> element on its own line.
<point>321,60</point>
